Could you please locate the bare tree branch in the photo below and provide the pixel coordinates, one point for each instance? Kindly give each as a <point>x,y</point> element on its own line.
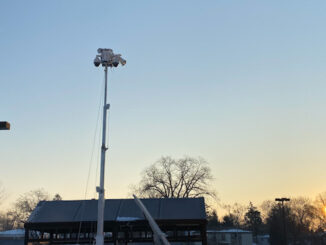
<point>175,178</point>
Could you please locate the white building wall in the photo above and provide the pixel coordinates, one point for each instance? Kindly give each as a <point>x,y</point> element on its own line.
<point>229,238</point>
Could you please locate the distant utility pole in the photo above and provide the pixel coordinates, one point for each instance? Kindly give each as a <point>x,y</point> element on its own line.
<point>106,58</point>
<point>281,201</point>
<point>4,126</point>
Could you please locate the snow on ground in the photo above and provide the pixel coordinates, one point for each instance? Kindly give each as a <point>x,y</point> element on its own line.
<point>127,218</point>
<point>13,233</point>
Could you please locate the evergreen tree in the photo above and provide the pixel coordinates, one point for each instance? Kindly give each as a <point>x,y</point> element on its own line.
<point>212,220</point>
<point>230,221</point>
<point>253,219</point>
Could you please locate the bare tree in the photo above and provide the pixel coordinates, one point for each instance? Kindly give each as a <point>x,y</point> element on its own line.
<point>25,204</point>
<point>265,209</point>
<point>320,211</point>
<point>303,212</point>
<point>176,178</point>
<point>2,193</point>
<point>22,208</point>
<point>57,197</point>
<point>6,221</point>
<point>235,214</point>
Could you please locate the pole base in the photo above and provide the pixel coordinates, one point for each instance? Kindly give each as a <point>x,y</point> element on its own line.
<point>99,239</point>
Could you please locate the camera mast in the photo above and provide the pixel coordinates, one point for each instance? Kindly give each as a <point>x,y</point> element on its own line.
<point>107,58</point>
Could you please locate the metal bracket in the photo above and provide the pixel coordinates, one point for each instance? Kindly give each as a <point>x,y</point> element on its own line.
<point>107,107</point>
<point>99,190</point>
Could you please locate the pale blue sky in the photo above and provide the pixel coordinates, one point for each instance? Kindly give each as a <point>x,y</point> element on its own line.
<point>240,83</point>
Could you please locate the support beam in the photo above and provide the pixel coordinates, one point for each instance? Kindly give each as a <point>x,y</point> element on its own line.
<point>203,235</point>
<point>26,237</point>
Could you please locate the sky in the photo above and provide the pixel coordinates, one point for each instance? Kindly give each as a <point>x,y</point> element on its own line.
<point>239,83</point>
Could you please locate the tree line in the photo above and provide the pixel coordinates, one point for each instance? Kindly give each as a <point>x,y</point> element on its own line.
<point>18,213</point>
<point>297,221</point>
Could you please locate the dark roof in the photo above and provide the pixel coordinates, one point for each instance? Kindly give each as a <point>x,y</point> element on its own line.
<point>118,210</point>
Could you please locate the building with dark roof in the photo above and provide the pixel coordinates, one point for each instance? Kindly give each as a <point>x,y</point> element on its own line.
<point>71,222</point>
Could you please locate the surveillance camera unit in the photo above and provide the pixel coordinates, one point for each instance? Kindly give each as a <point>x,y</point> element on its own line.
<point>122,61</point>
<point>115,60</point>
<point>97,61</point>
<point>107,58</point>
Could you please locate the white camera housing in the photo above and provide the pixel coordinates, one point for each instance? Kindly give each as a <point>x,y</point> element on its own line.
<point>106,57</point>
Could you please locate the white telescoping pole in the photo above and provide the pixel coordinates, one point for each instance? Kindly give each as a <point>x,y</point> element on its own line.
<point>100,189</point>
<point>159,236</point>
